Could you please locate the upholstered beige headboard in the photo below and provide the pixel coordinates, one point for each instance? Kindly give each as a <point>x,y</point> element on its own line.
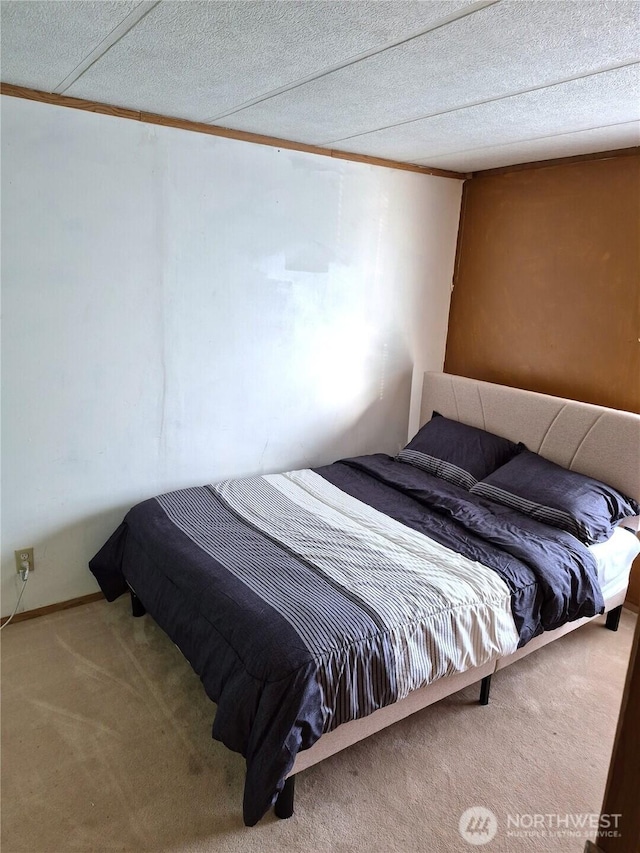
<point>593,440</point>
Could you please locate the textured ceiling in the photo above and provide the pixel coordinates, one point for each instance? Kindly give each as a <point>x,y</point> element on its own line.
<point>444,83</point>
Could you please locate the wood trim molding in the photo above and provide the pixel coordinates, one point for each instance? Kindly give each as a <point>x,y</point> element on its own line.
<point>460,237</point>
<point>52,608</point>
<point>214,130</point>
<point>559,161</point>
<point>621,792</point>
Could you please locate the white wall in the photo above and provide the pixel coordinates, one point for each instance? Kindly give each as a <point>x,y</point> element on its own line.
<point>179,308</point>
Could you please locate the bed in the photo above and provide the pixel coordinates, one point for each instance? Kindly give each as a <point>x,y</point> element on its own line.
<point>320,606</point>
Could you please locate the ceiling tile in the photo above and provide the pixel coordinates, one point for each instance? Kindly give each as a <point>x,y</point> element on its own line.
<point>499,50</point>
<point>43,41</point>
<point>198,59</point>
<point>604,99</point>
<point>566,145</point>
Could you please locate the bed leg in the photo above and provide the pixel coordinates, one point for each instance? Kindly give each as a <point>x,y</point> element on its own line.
<point>485,687</point>
<point>284,803</point>
<point>613,618</point>
<point>137,607</point>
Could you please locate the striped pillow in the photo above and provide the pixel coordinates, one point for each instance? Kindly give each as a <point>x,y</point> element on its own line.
<point>582,506</point>
<point>457,452</point>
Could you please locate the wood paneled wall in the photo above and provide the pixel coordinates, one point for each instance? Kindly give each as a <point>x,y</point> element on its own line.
<point>547,283</point>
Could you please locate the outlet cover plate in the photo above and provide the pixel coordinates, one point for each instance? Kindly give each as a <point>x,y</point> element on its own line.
<point>24,555</point>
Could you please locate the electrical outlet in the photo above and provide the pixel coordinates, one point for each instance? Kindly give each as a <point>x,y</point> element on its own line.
<point>24,555</point>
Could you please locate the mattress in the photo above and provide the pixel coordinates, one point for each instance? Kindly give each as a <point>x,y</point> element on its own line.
<point>614,559</point>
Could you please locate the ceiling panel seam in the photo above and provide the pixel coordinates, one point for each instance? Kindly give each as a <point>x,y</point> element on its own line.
<point>534,139</point>
<point>481,103</point>
<point>353,60</point>
<point>128,23</point>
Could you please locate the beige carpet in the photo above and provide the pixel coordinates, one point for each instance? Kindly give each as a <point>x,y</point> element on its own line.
<point>107,747</point>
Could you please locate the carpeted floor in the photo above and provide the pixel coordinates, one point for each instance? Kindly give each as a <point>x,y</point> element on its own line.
<point>107,747</point>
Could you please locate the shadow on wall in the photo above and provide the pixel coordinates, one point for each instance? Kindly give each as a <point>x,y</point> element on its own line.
<point>369,432</point>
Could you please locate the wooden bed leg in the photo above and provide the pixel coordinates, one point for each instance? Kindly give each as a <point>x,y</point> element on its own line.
<point>485,687</point>
<point>284,804</point>
<point>137,607</point>
<point>613,618</point>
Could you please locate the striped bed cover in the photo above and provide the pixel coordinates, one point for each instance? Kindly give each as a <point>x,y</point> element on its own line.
<point>302,605</point>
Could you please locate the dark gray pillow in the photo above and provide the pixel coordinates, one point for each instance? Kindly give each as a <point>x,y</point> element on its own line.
<point>457,452</point>
<point>580,505</point>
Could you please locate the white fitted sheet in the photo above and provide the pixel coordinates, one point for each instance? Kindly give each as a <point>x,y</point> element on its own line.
<point>614,558</point>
